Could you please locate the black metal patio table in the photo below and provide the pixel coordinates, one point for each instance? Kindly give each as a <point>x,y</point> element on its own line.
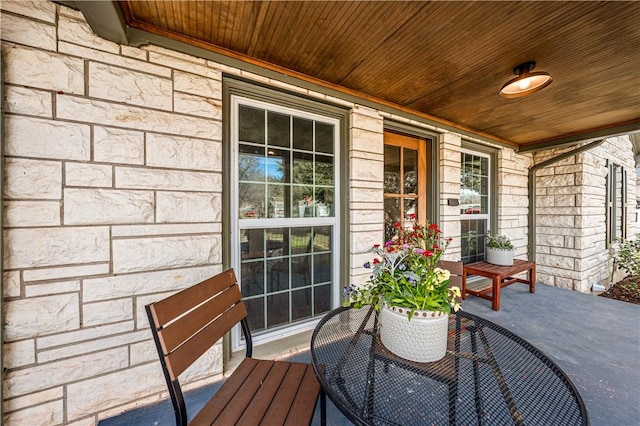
<point>489,376</point>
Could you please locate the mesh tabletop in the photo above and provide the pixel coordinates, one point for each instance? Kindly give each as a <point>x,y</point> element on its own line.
<point>489,376</point>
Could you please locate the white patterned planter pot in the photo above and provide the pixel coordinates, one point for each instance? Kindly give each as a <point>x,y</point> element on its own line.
<point>423,339</point>
<point>502,257</point>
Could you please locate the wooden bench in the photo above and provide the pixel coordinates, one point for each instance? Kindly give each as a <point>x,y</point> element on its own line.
<point>188,323</point>
<point>501,276</point>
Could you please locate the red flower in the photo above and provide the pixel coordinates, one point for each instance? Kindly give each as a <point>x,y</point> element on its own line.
<point>436,247</point>
<point>376,246</point>
<point>396,225</point>
<point>376,260</point>
<point>412,216</point>
<point>428,253</point>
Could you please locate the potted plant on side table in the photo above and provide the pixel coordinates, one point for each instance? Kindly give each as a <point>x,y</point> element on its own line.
<point>411,294</point>
<point>499,250</point>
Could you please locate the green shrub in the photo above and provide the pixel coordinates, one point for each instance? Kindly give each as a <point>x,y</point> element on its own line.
<point>627,255</point>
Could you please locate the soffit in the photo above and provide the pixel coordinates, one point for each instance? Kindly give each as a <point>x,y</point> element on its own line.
<point>442,60</point>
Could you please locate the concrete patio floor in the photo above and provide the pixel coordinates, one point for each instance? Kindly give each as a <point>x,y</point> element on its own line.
<point>595,340</point>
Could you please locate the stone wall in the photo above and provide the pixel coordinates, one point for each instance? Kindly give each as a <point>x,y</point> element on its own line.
<point>571,215</point>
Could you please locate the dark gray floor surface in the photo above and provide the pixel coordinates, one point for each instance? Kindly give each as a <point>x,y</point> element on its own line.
<point>596,341</point>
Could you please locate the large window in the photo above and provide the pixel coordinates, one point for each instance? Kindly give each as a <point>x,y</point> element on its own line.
<point>474,204</point>
<point>284,202</point>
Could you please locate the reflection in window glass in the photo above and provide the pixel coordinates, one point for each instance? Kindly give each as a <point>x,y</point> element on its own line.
<point>391,217</point>
<point>391,169</point>
<point>473,235</point>
<point>410,166</point>
<point>251,200</point>
<point>302,134</point>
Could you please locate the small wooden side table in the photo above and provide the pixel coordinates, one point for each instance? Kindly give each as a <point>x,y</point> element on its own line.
<point>501,276</point>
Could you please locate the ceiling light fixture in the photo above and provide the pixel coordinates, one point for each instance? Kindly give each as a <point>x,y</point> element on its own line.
<point>526,82</point>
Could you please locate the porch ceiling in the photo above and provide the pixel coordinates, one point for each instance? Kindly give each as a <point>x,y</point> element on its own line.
<point>445,61</point>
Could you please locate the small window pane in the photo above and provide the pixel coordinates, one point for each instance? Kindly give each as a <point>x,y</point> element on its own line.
<point>391,169</point>
<point>252,278</point>
<point>251,124</point>
<point>277,166</point>
<point>301,240</point>
<point>302,168</point>
<point>322,239</point>
<point>277,275</point>
<point>321,268</point>
<point>277,242</point>
<point>251,200</point>
<point>324,138</point>
<point>301,304</point>
<point>278,129</point>
<point>324,170</point>
<point>277,205</point>
<point>252,243</point>
<point>302,134</point>
<point>277,309</point>
<point>321,299</point>
<point>255,313</point>
<point>410,209</point>
<point>251,163</point>
<point>300,271</point>
<point>324,202</point>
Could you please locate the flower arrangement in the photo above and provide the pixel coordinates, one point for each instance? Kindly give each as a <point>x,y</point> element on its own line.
<point>497,241</point>
<point>405,273</point>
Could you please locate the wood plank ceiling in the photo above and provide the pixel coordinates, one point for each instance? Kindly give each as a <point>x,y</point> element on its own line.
<point>442,59</point>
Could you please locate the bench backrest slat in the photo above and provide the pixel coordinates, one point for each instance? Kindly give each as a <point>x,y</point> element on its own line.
<point>190,321</point>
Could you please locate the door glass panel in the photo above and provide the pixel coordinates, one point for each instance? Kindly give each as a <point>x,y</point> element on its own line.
<point>391,216</point>
<point>410,171</point>
<point>391,169</point>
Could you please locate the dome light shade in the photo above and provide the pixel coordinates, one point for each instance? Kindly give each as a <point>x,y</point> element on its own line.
<point>526,82</point>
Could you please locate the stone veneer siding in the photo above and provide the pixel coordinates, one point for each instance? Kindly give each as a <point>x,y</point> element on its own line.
<point>571,215</point>
<point>113,184</point>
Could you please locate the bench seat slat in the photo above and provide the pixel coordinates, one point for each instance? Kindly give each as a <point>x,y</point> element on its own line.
<point>301,411</point>
<point>262,399</point>
<point>279,409</point>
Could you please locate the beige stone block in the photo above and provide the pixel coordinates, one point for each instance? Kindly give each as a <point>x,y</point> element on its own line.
<point>41,10</point>
<point>130,87</point>
<point>118,146</point>
<point>65,272</point>
<point>44,70</point>
<point>66,371</point>
<point>143,352</point>
<point>133,52</point>
<point>198,85</point>
<point>96,289</point>
<point>18,354</point>
<point>34,137</point>
<point>96,394</point>
<point>21,402</point>
<point>88,174</point>
<point>48,289</point>
<point>165,229</point>
<point>31,33</point>
<point>106,206</point>
<point>85,335</point>
<point>188,207</point>
<point>22,100</point>
<point>136,118</point>
<point>183,153</point>
<point>31,213</point>
<point>367,170</point>
<point>79,32</point>
<point>185,103</point>
<point>107,312</point>
<point>30,248</point>
<point>11,283</point>
<point>367,141</point>
<point>145,254</point>
<point>367,216</point>
<point>36,316</point>
<point>191,64</point>
<point>366,196</point>
<point>42,414</point>
<point>92,346</point>
<point>172,180</point>
<point>32,179</point>
<point>162,52</point>
<point>113,59</point>
<point>363,241</point>
<point>367,122</point>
